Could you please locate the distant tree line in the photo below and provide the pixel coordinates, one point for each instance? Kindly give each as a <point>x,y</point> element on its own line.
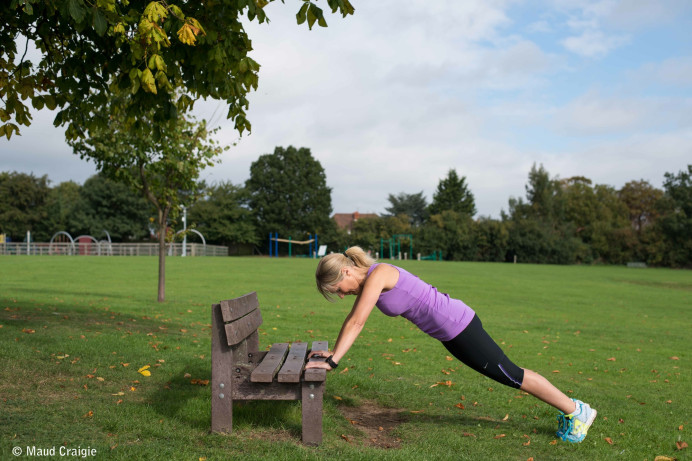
<point>559,221</point>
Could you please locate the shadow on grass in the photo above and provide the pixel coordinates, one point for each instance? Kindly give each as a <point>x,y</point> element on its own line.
<point>187,399</point>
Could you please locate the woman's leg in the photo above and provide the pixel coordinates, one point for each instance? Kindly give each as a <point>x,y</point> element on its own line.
<point>542,389</point>
<point>475,348</point>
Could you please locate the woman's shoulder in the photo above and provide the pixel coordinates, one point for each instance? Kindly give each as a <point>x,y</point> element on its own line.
<point>387,273</point>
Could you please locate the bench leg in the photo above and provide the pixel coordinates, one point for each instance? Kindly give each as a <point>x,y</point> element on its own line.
<point>221,375</point>
<point>311,404</point>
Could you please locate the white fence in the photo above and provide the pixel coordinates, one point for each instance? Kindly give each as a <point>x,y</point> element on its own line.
<point>110,249</point>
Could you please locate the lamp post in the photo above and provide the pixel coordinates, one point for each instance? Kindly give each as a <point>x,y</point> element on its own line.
<point>184,231</point>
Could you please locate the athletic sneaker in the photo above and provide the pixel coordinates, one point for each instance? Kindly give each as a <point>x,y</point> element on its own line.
<point>573,427</point>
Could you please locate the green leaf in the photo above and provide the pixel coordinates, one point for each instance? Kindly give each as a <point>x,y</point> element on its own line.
<point>312,17</point>
<point>155,12</point>
<point>77,10</point>
<point>148,82</point>
<point>100,23</point>
<point>302,13</point>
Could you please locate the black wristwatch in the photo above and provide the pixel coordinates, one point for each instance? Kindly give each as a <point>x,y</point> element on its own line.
<point>331,362</point>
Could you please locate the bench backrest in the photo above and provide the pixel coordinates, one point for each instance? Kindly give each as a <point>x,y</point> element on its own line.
<point>241,317</point>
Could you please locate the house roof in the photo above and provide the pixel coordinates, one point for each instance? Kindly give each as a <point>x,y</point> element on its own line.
<point>346,220</point>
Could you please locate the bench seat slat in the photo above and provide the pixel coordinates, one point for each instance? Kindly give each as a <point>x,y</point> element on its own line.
<point>265,371</point>
<point>295,363</point>
<point>233,309</point>
<point>317,374</point>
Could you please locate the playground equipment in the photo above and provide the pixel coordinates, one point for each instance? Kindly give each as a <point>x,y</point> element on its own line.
<point>434,256</point>
<point>274,245</point>
<point>185,231</point>
<point>394,246</point>
<point>52,250</point>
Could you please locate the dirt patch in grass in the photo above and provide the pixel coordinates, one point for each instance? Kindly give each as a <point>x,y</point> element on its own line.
<point>376,424</point>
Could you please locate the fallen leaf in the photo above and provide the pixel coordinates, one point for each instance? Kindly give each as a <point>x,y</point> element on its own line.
<point>443,383</point>
<point>90,414</point>
<point>336,397</point>
<point>499,436</point>
<point>28,331</point>
<point>345,438</point>
<point>187,375</point>
<point>609,440</point>
<point>448,358</point>
<point>554,442</point>
<point>119,393</point>
<point>506,417</point>
<point>681,445</point>
<point>460,406</point>
<point>201,382</point>
<point>664,458</point>
<point>468,434</point>
<point>380,428</point>
<point>612,359</point>
<point>674,358</point>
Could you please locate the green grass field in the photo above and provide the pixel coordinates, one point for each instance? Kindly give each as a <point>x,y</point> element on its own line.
<point>74,331</point>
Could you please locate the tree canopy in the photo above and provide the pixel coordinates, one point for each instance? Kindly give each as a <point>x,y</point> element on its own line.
<point>288,192</point>
<point>414,206</point>
<point>453,194</point>
<point>164,54</point>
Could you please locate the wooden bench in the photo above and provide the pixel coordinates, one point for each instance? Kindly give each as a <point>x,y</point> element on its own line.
<point>240,371</point>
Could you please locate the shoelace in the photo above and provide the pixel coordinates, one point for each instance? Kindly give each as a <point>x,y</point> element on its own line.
<point>566,426</point>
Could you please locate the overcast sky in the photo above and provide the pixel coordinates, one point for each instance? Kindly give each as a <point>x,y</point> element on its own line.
<point>390,99</point>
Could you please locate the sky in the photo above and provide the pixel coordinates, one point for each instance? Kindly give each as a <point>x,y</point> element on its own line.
<point>390,99</point>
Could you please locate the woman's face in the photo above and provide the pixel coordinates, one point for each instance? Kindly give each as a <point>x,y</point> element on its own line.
<point>348,285</point>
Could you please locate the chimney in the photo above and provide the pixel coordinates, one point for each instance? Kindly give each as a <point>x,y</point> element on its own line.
<point>356,215</point>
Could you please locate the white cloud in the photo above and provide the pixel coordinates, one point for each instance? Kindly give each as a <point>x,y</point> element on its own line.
<point>594,43</point>
<point>674,72</point>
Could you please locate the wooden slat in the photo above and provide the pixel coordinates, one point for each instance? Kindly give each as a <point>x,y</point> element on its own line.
<point>266,391</point>
<point>233,309</point>
<point>244,327</point>
<point>317,374</point>
<point>265,372</point>
<point>295,363</point>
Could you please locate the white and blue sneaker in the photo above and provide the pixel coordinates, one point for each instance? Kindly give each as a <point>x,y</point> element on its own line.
<point>573,427</point>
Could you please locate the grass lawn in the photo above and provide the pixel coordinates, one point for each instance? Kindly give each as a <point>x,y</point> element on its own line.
<point>74,331</point>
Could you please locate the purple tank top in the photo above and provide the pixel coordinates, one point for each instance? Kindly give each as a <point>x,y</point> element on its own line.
<point>433,312</point>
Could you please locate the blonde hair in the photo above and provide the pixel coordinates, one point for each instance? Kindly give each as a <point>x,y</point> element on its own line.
<point>329,273</point>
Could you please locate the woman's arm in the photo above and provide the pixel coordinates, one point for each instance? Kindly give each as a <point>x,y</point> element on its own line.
<point>383,277</point>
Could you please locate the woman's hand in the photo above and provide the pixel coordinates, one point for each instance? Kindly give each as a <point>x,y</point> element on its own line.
<point>318,364</point>
<point>319,354</point>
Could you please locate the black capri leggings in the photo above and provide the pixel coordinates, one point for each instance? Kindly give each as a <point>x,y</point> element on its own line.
<point>476,349</point>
